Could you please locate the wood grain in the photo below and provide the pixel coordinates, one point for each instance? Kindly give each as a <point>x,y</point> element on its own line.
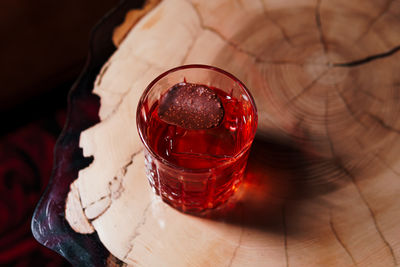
<point>323,178</point>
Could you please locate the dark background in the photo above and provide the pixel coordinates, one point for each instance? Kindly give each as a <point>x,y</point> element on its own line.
<point>43,48</point>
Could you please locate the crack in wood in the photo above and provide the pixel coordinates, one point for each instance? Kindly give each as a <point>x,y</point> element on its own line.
<point>240,239</point>
<point>117,106</point>
<point>133,155</point>
<point>102,72</point>
<point>94,202</point>
<point>122,97</point>
<point>79,197</point>
<point>101,213</point>
<point>382,123</point>
<point>115,191</point>
<point>374,20</point>
<point>348,108</point>
<point>340,241</point>
<point>218,33</point>
<point>83,210</point>
<point>276,24</point>
<point>371,96</point>
<point>319,27</point>
<point>353,180</point>
<point>368,59</point>
<point>285,244</point>
<point>84,227</point>
<point>124,94</point>
<point>137,228</point>
<point>111,194</point>
<point>347,172</point>
<point>236,248</point>
<point>235,46</point>
<point>114,194</point>
<point>371,212</point>
<point>308,87</point>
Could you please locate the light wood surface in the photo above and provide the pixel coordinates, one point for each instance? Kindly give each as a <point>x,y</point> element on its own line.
<point>323,181</point>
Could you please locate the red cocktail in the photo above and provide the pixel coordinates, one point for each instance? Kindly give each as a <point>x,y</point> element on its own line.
<point>196,169</point>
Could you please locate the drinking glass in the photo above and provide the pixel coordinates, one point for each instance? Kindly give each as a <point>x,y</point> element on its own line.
<point>195,170</point>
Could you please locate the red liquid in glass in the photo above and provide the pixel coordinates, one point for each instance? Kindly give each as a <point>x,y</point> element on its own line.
<point>206,166</point>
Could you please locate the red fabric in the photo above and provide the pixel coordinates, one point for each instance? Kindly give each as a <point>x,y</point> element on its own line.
<point>26,158</point>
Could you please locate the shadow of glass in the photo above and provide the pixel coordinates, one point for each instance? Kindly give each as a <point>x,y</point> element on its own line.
<point>280,175</point>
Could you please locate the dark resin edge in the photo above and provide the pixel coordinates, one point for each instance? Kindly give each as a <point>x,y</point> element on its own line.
<point>48,225</point>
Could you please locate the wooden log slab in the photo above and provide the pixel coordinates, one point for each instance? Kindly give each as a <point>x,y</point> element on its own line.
<point>322,185</point>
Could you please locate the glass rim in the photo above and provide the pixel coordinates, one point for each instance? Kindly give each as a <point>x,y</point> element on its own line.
<point>194,66</point>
